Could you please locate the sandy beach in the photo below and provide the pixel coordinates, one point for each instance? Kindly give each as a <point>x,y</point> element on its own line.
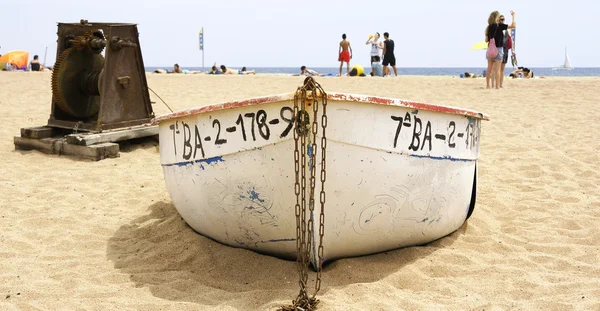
<point>83,235</point>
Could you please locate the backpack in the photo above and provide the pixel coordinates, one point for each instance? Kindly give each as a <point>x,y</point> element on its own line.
<point>492,50</point>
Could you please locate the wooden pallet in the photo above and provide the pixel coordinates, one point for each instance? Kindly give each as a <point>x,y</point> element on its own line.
<point>93,146</point>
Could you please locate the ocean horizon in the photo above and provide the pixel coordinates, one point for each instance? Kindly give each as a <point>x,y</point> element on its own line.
<point>411,71</point>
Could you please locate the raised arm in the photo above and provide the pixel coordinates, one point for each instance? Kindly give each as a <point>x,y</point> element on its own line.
<point>514,20</point>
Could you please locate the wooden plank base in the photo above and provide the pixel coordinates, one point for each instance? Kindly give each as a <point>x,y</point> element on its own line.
<point>60,146</point>
<point>93,146</point>
<point>38,132</point>
<point>87,139</point>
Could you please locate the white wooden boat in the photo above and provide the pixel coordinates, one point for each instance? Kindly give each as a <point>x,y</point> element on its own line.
<point>399,173</point>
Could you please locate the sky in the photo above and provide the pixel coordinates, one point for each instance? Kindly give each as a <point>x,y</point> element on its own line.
<point>262,33</point>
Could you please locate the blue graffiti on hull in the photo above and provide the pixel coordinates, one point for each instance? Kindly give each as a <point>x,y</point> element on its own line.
<point>442,158</point>
<point>201,162</point>
<point>253,196</point>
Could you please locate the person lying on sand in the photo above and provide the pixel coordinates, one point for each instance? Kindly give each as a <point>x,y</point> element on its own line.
<point>228,71</point>
<point>521,72</point>
<point>176,69</point>
<point>247,72</point>
<point>307,72</point>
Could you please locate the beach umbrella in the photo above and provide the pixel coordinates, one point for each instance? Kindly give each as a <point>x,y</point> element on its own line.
<point>17,58</point>
<point>480,46</point>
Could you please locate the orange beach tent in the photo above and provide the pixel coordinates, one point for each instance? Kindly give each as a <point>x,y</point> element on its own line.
<point>17,58</point>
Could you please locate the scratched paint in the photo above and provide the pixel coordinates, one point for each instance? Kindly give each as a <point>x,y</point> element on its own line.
<point>253,196</point>
<point>448,158</point>
<point>201,162</point>
<point>279,240</point>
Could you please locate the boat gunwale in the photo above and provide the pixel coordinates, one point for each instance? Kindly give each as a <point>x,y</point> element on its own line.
<point>360,98</point>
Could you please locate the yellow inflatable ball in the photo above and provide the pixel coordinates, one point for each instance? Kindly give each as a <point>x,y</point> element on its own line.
<point>357,70</point>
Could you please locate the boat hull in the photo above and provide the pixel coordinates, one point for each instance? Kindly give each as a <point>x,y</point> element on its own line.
<point>396,175</point>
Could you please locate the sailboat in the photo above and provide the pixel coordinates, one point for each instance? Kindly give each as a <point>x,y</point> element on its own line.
<point>566,65</point>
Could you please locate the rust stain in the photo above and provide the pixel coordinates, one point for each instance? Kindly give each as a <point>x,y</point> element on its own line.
<point>221,106</point>
<point>405,103</point>
<point>331,96</point>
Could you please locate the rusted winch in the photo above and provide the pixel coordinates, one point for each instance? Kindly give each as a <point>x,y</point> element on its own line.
<point>95,88</point>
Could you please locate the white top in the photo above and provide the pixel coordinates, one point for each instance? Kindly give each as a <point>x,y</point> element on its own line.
<point>376,48</point>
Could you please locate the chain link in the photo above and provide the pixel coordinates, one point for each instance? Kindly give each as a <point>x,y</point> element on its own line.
<point>322,193</point>
<point>306,144</point>
<point>298,210</point>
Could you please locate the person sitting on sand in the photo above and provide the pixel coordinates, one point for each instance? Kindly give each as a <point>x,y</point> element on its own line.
<point>247,72</point>
<point>307,72</point>
<point>376,67</point>
<point>35,64</point>
<point>228,71</point>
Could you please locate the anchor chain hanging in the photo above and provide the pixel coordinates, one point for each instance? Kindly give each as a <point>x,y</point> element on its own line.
<point>305,142</point>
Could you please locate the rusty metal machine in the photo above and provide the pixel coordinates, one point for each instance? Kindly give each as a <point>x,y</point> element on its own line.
<point>95,92</point>
<point>99,93</point>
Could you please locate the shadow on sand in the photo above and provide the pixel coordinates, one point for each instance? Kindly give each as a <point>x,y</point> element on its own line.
<point>161,252</point>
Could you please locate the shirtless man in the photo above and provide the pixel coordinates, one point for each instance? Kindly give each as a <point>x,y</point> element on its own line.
<point>228,71</point>
<point>345,54</point>
<point>35,64</point>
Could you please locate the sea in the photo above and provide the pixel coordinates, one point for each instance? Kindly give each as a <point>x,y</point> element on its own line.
<point>414,71</point>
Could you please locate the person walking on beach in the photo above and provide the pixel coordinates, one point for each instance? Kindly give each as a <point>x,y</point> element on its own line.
<point>495,30</point>
<point>345,54</point>
<point>388,55</point>
<point>376,47</point>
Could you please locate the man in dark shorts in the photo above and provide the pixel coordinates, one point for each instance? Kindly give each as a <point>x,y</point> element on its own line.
<point>388,55</point>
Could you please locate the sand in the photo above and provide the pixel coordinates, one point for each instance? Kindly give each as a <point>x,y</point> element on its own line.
<point>82,235</point>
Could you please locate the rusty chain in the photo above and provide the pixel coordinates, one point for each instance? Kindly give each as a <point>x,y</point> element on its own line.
<point>304,231</point>
<point>298,210</point>
<point>322,193</point>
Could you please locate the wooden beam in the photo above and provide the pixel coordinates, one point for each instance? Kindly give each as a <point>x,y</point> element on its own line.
<point>38,132</point>
<point>60,146</point>
<point>87,139</point>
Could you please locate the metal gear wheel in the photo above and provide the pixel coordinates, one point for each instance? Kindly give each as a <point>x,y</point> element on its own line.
<point>76,81</point>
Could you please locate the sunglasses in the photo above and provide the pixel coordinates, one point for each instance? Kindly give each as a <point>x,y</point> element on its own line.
<point>502,19</point>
